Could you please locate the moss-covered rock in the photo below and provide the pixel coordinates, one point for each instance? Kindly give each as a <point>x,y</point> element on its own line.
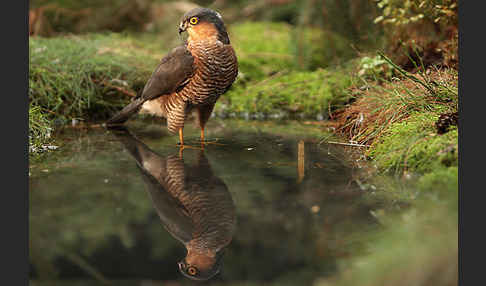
<point>414,145</point>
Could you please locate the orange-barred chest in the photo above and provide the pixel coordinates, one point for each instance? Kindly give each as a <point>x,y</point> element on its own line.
<point>216,69</point>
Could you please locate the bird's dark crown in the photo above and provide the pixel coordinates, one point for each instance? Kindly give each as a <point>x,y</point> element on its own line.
<point>204,14</point>
<point>211,16</point>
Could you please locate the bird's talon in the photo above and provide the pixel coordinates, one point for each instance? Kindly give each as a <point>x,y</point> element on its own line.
<point>189,147</point>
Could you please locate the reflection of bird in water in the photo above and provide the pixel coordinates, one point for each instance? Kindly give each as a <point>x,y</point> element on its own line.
<point>192,203</point>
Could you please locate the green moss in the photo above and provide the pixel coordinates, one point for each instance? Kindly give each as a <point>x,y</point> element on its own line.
<point>288,94</point>
<point>262,48</point>
<point>414,145</point>
<point>316,48</point>
<point>261,37</point>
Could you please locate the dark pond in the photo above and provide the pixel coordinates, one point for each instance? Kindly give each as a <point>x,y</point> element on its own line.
<point>266,204</point>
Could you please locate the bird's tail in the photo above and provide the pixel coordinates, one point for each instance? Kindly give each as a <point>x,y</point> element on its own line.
<point>136,148</point>
<point>124,114</point>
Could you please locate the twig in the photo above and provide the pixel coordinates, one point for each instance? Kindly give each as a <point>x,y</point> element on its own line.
<point>301,161</point>
<point>347,144</point>
<point>323,140</point>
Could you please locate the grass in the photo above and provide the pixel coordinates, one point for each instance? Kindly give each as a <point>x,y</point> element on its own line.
<point>86,76</point>
<point>377,106</point>
<point>39,130</point>
<point>397,117</point>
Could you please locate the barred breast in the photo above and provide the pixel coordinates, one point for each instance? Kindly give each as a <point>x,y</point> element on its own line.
<point>216,70</point>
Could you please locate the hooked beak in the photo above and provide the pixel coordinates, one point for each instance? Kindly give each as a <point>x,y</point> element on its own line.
<point>182,27</point>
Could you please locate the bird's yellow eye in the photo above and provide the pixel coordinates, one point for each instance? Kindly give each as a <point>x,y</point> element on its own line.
<point>193,20</point>
<point>192,270</point>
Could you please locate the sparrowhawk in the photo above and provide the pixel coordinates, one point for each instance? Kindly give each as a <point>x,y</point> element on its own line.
<point>191,77</point>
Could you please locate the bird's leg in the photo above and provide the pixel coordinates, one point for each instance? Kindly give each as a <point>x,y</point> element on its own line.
<point>181,140</point>
<point>203,142</point>
<point>204,112</point>
<point>202,136</point>
<point>181,150</point>
<point>181,137</point>
<point>181,144</point>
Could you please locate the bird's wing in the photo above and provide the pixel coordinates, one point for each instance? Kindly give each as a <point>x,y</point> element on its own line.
<point>171,213</point>
<point>173,72</point>
<point>155,174</point>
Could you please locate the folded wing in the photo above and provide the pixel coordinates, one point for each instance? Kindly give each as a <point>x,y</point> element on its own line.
<point>173,72</point>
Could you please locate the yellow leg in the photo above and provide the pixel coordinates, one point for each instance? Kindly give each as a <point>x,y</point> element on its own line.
<point>181,152</point>
<point>181,137</point>
<point>202,137</point>
<point>206,142</point>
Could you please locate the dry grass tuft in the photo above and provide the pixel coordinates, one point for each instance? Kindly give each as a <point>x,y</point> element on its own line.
<point>377,106</point>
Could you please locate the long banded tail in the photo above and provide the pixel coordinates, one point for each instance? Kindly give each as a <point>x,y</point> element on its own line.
<point>124,114</point>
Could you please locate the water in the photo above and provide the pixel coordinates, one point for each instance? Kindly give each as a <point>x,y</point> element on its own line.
<point>264,204</point>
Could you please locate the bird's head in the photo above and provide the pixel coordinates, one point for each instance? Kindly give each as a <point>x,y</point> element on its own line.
<point>204,23</point>
<point>201,266</point>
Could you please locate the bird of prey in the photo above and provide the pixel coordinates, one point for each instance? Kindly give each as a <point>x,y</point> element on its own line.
<point>193,204</point>
<point>191,77</point>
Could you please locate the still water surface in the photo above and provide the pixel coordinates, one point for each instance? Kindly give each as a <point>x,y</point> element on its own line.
<point>265,204</point>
